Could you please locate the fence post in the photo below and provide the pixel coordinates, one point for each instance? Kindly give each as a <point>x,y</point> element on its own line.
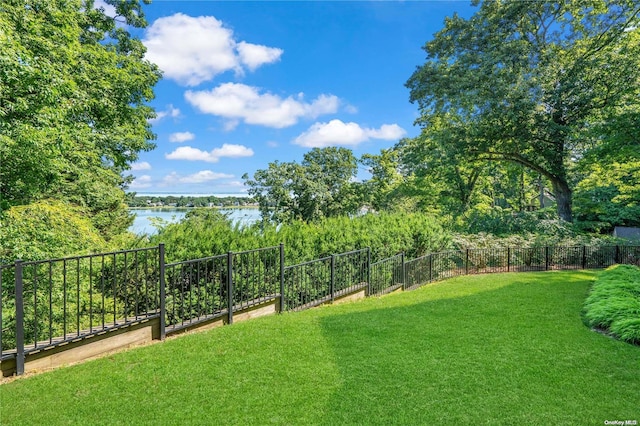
<point>368,271</point>
<point>584,257</point>
<point>546,258</point>
<point>466,264</point>
<point>19,319</point>
<point>281,277</point>
<point>230,287</point>
<point>404,271</point>
<point>163,296</point>
<point>508,259</point>
<point>430,267</point>
<point>333,276</point>
<point>617,255</point>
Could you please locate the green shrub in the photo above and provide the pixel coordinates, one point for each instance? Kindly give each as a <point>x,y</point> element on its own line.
<point>206,232</point>
<point>46,229</point>
<point>505,222</point>
<point>614,303</point>
<point>527,240</point>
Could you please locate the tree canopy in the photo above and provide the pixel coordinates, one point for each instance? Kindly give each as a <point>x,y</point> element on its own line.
<point>320,186</point>
<point>74,87</point>
<point>534,83</point>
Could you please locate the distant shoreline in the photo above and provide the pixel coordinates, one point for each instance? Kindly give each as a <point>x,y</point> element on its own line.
<point>191,208</point>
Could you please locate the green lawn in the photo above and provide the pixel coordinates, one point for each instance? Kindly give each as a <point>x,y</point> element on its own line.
<point>490,349</point>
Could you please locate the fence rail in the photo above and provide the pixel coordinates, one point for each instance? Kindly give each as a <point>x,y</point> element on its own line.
<point>47,303</point>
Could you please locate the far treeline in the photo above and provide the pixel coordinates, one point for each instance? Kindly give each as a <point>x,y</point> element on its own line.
<point>529,115</point>
<point>134,200</point>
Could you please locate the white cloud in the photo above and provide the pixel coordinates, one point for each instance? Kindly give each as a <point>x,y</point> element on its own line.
<point>351,109</point>
<point>336,132</point>
<point>143,165</point>
<point>141,182</point>
<point>170,112</point>
<point>192,50</point>
<point>230,125</point>
<point>272,144</point>
<point>232,151</point>
<point>387,132</point>
<point>235,101</point>
<point>199,177</point>
<point>180,137</point>
<point>194,154</point>
<point>254,55</point>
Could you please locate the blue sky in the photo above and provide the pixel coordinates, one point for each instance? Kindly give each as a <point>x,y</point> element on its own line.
<point>249,83</point>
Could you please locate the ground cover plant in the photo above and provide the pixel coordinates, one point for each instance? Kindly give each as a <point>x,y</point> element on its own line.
<point>484,349</point>
<point>614,303</point>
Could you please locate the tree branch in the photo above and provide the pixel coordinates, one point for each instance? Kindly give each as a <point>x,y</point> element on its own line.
<point>515,158</point>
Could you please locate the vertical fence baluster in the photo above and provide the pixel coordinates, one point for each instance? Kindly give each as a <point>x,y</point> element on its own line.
<point>190,309</point>
<point>125,287</point>
<point>281,277</point>
<point>403,270</point>
<point>333,275</point>
<point>230,287</point>
<point>91,294</point>
<point>64,299</point>
<point>199,290</point>
<point>546,258</point>
<point>78,297</point>
<point>35,306</point>
<point>430,267</point>
<point>146,284</point>
<point>369,270</point>
<point>104,307</point>
<point>115,287</point>
<point>163,306</point>
<point>19,319</point>
<point>466,263</point>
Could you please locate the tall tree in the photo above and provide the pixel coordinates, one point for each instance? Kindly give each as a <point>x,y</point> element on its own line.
<point>436,162</point>
<point>74,87</point>
<point>321,186</point>
<point>528,79</point>
<point>381,189</point>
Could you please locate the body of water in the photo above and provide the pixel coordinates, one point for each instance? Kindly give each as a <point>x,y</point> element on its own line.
<point>142,223</point>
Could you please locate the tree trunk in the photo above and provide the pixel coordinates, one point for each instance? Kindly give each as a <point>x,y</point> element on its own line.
<point>563,195</point>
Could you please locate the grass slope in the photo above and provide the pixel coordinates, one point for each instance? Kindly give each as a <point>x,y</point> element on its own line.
<point>490,349</point>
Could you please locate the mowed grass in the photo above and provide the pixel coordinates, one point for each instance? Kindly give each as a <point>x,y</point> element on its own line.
<point>488,349</point>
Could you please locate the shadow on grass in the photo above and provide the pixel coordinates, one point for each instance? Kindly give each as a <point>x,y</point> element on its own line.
<point>485,349</point>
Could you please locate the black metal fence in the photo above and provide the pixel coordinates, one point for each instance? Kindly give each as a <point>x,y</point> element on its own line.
<point>318,281</point>
<point>51,302</point>
<point>387,275</point>
<point>196,290</point>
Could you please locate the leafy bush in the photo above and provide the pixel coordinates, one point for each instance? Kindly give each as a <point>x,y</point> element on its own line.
<point>528,240</point>
<point>614,303</point>
<point>46,229</point>
<point>207,232</point>
<point>505,222</point>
